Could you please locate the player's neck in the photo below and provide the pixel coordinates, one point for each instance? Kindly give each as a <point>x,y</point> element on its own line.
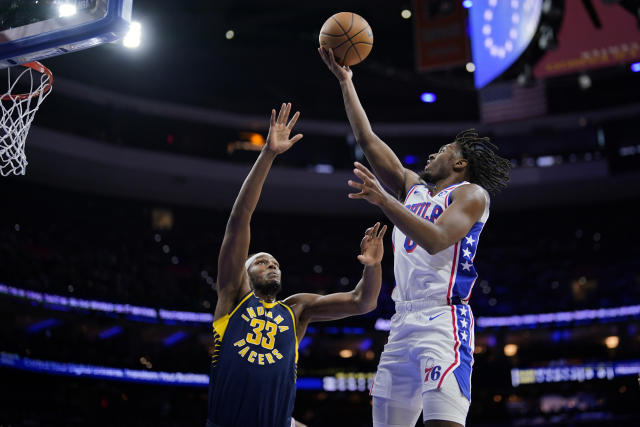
<point>265,297</point>
<point>448,181</point>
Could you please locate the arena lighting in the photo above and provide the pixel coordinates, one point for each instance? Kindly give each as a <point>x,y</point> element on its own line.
<point>306,341</point>
<point>406,14</point>
<point>510,350</point>
<point>15,361</point>
<point>44,324</point>
<point>574,373</point>
<point>428,97</point>
<point>67,9</point>
<point>635,67</point>
<point>151,314</point>
<point>344,381</point>
<point>467,4</point>
<point>346,353</point>
<point>174,338</point>
<point>584,81</point>
<point>109,333</point>
<point>132,39</point>
<point>612,342</point>
<point>410,159</point>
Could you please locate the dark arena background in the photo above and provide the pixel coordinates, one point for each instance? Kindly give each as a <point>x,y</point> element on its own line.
<point>109,243</point>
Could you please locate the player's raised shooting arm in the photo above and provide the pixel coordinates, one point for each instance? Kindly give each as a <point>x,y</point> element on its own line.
<point>362,299</point>
<point>235,244</point>
<point>384,161</point>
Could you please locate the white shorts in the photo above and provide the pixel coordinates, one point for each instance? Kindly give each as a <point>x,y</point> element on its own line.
<point>428,359</point>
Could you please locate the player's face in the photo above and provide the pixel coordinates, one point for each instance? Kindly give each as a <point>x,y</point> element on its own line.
<point>439,164</point>
<point>265,274</point>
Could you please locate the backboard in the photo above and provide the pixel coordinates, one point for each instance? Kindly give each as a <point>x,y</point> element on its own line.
<point>36,29</point>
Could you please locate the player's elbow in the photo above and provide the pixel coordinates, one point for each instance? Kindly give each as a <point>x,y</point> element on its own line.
<point>364,305</point>
<point>436,244</point>
<point>367,306</point>
<point>435,247</point>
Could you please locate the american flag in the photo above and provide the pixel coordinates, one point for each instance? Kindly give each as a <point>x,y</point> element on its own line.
<point>501,102</point>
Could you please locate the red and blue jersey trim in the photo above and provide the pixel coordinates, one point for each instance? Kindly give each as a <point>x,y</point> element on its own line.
<point>463,272</point>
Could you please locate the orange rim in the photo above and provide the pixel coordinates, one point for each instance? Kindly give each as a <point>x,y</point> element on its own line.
<point>35,65</point>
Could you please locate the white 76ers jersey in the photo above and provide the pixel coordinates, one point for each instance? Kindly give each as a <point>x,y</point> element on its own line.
<point>446,277</point>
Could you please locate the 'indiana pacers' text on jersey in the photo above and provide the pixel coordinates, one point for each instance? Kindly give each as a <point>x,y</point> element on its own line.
<point>253,370</point>
<point>447,276</point>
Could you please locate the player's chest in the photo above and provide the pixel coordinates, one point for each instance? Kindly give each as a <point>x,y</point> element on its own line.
<point>262,335</point>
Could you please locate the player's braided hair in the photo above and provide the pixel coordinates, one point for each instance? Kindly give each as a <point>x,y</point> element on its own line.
<point>486,168</point>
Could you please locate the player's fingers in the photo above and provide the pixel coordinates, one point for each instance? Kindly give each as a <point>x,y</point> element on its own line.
<point>355,184</point>
<point>362,176</point>
<point>374,232</point>
<point>293,120</point>
<point>360,195</point>
<point>332,57</point>
<point>285,115</point>
<point>364,169</point>
<point>282,108</point>
<point>382,231</point>
<point>273,117</point>
<point>296,138</point>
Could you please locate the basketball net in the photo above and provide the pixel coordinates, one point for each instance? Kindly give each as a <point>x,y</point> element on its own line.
<point>26,89</point>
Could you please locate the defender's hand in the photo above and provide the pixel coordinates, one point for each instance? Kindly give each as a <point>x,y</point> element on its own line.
<point>371,247</point>
<point>279,130</point>
<point>340,71</point>
<point>370,188</point>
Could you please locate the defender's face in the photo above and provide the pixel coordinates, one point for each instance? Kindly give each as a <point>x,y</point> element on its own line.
<point>265,271</point>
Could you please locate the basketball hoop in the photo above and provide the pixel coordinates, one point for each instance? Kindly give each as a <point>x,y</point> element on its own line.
<point>33,84</point>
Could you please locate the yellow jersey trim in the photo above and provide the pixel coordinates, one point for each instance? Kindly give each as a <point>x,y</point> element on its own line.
<point>293,319</point>
<point>269,304</point>
<point>220,325</point>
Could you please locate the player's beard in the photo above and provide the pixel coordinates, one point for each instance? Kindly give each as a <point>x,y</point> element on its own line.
<point>268,287</point>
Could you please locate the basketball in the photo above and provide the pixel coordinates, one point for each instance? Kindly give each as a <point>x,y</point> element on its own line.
<point>350,37</point>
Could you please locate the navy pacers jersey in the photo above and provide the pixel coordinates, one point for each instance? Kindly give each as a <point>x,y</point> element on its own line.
<point>253,369</point>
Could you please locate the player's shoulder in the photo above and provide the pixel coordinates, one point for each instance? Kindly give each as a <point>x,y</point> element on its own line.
<point>299,299</point>
<point>470,192</point>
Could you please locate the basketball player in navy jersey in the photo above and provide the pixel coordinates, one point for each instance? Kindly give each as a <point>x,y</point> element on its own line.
<point>253,372</point>
<point>426,364</point>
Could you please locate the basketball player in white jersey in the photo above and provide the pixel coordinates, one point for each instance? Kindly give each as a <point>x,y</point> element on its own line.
<point>426,364</point>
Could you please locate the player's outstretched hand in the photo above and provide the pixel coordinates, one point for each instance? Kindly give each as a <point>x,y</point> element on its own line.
<point>341,72</point>
<point>370,188</point>
<point>278,140</point>
<point>371,247</point>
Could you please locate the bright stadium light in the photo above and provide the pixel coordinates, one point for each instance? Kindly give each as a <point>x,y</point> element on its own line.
<point>510,350</point>
<point>132,39</point>
<point>612,342</point>
<point>635,67</point>
<point>67,9</point>
<point>428,97</point>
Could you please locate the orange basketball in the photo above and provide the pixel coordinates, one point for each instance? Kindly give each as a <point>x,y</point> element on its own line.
<point>350,37</point>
